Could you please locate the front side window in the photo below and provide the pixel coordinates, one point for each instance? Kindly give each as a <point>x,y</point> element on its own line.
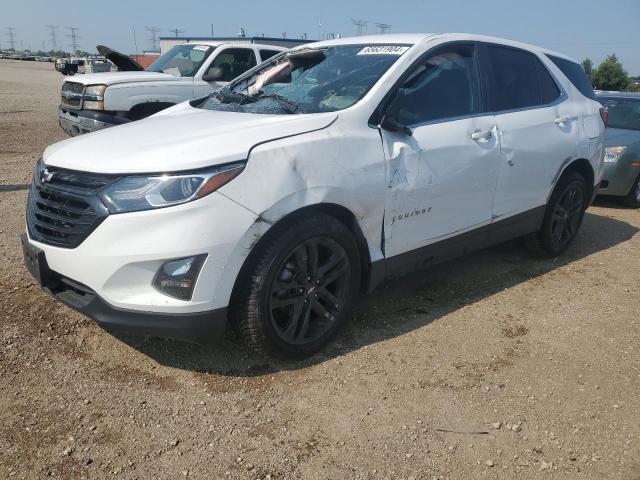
<point>623,112</point>
<point>233,62</point>
<point>310,80</point>
<point>447,85</point>
<point>519,79</point>
<point>182,60</point>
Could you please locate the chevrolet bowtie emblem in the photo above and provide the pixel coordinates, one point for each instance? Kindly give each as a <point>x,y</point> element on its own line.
<point>46,176</point>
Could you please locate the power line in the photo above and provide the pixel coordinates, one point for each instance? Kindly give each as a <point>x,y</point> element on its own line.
<point>135,41</point>
<point>53,31</point>
<point>361,25</point>
<point>12,41</point>
<point>383,27</point>
<point>177,32</point>
<point>73,35</point>
<point>153,31</point>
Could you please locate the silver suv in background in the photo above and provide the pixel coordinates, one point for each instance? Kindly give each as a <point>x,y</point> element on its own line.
<point>622,147</point>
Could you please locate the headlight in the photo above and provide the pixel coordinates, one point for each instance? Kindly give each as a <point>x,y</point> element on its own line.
<point>612,154</point>
<point>94,97</point>
<point>135,193</point>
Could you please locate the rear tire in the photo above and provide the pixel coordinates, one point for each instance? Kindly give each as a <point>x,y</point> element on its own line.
<point>562,218</point>
<point>632,200</point>
<point>297,288</point>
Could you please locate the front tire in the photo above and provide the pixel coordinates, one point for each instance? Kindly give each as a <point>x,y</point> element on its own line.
<point>632,200</point>
<point>298,287</point>
<point>563,217</point>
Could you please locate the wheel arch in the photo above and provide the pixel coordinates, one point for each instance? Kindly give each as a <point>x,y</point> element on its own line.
<point>584,168</point>
<point>339,212</point>
<point>145,109</point>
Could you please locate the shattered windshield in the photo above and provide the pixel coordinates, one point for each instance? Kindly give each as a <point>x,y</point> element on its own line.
<point>308,81</point>
<point>182,60</point>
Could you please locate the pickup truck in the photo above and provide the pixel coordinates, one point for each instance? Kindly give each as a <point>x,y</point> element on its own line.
<point>190,70</point>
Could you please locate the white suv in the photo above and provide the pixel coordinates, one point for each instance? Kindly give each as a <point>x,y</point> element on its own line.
<point>315,176</point>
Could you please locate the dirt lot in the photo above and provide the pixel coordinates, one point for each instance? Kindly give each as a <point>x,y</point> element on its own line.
<point>493,366</point>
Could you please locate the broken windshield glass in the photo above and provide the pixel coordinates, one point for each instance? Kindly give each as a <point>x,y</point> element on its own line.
<point>307,81</point>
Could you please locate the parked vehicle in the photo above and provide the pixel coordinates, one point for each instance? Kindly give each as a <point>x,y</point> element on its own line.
<point>277,199</point>
<point>621,178</point>
<point>187,71</point>
<point>69,66</point>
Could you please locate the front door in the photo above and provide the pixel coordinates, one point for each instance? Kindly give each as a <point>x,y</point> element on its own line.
<point>441,179</point>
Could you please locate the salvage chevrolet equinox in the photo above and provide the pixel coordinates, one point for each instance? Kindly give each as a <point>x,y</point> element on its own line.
<point>271,203</point>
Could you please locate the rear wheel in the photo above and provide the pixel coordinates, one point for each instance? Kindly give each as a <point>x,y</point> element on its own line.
<point>298,288</point>
<point>633,198</point>
<point>562,218</point>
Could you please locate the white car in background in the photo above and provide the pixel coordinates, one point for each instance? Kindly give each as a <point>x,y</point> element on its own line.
<point>274,201</point>
<point>92,102</point>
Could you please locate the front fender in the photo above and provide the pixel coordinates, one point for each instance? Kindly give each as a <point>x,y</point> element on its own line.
<point>335,165</point>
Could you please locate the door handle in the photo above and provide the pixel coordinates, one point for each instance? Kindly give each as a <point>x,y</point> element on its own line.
<point>481,136</point>
<point>561,121</point>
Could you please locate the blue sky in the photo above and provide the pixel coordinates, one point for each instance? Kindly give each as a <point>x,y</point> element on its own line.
<point>584,28</point>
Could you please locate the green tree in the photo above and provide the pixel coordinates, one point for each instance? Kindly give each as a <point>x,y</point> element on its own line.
<point>587,64</point>
<point>610,75</point>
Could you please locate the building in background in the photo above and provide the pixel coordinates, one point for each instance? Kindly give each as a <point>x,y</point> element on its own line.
<point>146,58</point>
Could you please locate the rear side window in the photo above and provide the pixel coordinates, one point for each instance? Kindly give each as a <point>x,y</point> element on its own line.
<point>234,62</point>
<point>446,86</point>
<point>519,80</point>
<point>264,54</point>
<point>576,74</point>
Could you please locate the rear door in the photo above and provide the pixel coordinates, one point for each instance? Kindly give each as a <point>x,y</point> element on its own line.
<point>440,179</point>
<point>266,54</point>
<point>538,129</point>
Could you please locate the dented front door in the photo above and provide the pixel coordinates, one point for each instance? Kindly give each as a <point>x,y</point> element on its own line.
<point>440,181</point>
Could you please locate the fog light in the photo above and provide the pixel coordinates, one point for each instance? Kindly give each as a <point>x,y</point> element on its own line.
<point>177,278</point>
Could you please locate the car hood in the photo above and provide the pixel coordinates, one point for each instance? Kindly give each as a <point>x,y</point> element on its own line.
<point>618,137</point>
<point>183,138</point>
<point>112,78</point>
<point>120,60</point>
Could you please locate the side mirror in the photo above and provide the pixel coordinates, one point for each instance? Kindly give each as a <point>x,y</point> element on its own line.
<point>389,119</point>
<point>213,74</point>
<point>390,123</point>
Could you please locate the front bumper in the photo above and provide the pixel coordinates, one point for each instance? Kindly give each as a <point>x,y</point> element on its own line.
<point>200,327</point>
<point>618,178</point>
<point>120,258</point>
<point>77,122</point>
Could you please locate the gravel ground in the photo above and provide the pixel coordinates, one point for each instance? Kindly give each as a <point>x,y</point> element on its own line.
<point>496,365</point>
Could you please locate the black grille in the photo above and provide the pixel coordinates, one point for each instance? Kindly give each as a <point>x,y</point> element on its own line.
<point>63,208</point>
<point>72,94</point>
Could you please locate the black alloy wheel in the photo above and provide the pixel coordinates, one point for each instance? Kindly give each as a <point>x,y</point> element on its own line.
<point>567,215</point>
<point>562,218</point>
<point>297,286</point>
<point>309,290</point>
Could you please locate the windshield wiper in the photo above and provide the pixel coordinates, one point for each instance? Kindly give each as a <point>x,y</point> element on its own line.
<point>292,106</point>
<point>232,96</point>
